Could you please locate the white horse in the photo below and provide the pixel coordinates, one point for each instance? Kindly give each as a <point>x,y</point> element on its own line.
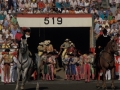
<point>23,64</point>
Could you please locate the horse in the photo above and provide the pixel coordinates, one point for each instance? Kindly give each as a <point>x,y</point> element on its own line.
<point>106,61</point>
<point>23,64</point>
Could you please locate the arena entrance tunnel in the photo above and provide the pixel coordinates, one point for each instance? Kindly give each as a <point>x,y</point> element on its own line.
<point>78,35</point>
<point>57,27</point>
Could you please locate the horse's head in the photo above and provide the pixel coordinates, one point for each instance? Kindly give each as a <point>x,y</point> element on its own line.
<point>23,45</point>
<point>114,46</point>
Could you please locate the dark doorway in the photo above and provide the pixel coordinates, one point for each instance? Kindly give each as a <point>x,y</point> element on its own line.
<point>79,36</point>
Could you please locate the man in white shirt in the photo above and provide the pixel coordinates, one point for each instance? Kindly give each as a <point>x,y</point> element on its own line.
<point>9,34</point>
<point>73,3</point>
<point>65,11</point>
<point>83,10</point>
<point>117,3</point>
<point>5,30</point>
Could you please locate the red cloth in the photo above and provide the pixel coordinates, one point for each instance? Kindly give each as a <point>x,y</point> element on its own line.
<point>71,49</point>
<point>3,53</point>
<point>18,36</point>
<point>101,32</point>
<point>116,64</point>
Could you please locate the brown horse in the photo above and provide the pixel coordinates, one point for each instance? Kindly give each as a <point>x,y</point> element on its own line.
<point>106,61</point>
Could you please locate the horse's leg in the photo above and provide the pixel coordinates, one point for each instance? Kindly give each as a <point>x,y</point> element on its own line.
<point>18,78</point>
<point>104,78</point>
<point>38,76</point>
<point>112,73</point>
<point>24,78</point>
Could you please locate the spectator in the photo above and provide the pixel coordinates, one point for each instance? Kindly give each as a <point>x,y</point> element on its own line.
<point>65,11</point>
<point>83,10</point>
<point>14,30</point>
<point>73,4</point>
<point>66,4</point>
<point>27,4</point>
<point>14,20</point>
<point>98,19</point>
<point>9,34</point>
<point>94,11</point>
<point>58,5</point>
<point>41,5</point>
<point>47,7</point>
<point>5,30</point>
<point>77,10</point>
<point>14,44</point>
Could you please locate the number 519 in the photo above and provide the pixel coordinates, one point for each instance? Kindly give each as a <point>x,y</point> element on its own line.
<point>47,21</point>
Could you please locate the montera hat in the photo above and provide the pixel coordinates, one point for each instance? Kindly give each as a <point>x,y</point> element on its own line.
<point>7,50</point>
<point>104,31</point>
<point>66,39</point>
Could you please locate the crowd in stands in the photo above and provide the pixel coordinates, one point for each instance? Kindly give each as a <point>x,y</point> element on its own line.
<point>10,32</point>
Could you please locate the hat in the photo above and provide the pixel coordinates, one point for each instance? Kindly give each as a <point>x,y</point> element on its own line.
<point>66,39</point>
<point>104,31</point>
<point>41,43</point>
<point>7,50</point>
<point>45,42</point>
<point>71,44</point>
<point>70,41</point>
<point>22,9</point>
<point>70,53</point>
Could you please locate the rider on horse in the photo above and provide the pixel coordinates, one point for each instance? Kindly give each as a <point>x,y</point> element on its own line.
<point>101,43</point>
<point>40,49</point>
<point>49,46</point>
<point>64,46</point>
<point>71,49</point>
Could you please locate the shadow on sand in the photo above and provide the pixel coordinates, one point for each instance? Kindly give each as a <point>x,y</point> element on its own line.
<point>41,88</point>
<point>109,88</point>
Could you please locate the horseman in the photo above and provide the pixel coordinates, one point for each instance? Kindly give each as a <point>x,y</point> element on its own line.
<point>49,46</point>
<point>101,43</point>
<point>64,46</point>
<point>30,48</point>
<point>40,49</point>
<point>45,45</point>
<point>71,49</point>
<point>8,59</point>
